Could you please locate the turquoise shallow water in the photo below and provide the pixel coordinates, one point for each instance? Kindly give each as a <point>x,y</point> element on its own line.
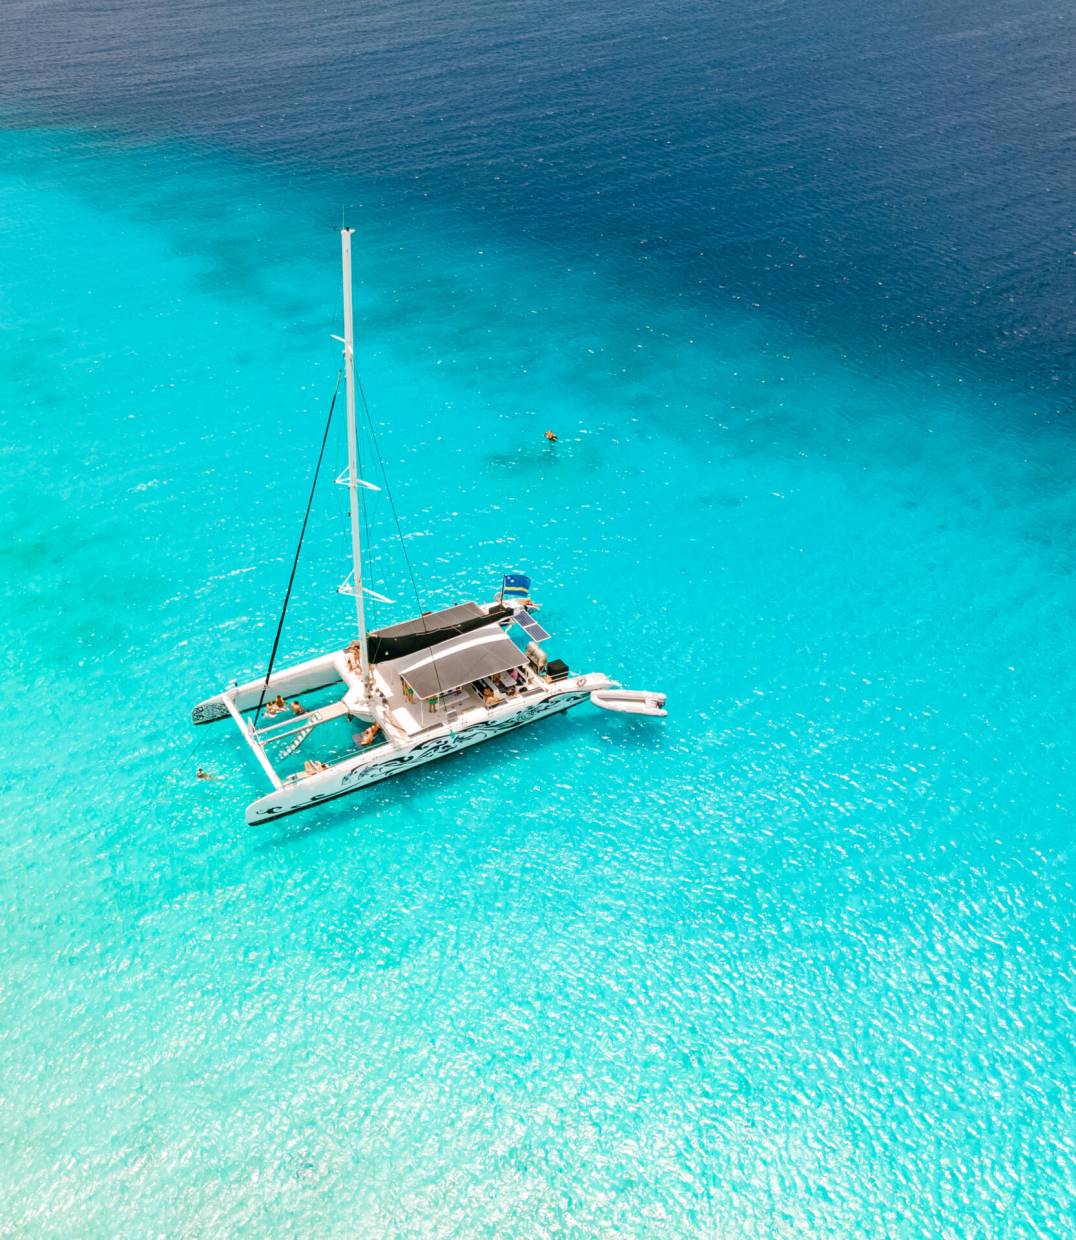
<point>796,961</point>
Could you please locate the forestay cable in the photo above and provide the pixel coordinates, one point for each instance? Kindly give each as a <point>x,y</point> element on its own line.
<point>299,547</point>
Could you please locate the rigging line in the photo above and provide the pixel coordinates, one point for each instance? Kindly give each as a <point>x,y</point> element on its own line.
<point>364,505</point>
<point>396,519</point>
<point>364,516</point>
<point>388,492</point>
<point>299,547</point>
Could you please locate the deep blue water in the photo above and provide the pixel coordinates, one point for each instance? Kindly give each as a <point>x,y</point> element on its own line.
<point>899,181</point>
<point>795,287</point>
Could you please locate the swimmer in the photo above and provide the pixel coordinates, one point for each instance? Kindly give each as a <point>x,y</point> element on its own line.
<point>276,705</point>
<point>551,437</point>
<point>200,774</point>
<point>297,708</point>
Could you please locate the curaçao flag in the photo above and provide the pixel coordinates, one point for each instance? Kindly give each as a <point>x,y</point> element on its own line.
<point>515,585</point>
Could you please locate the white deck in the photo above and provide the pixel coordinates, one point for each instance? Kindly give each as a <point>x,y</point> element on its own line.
<point>413,716</point>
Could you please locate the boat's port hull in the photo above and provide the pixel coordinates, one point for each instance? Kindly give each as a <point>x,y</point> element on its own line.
<point>319,673</point>
<point>345,778</point>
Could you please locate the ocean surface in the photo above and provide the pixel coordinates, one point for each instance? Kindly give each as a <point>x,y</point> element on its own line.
<point>795,287</point>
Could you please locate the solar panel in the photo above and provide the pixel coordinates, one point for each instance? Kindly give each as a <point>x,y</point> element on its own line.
<point>530,626</point>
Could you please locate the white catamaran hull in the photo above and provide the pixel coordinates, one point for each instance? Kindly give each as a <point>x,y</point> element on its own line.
<point>389,760</point>
<point>305,677</point>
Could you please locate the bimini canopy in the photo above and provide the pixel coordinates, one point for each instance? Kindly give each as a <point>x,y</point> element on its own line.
<point>424,632</point>
<point>460,661</point>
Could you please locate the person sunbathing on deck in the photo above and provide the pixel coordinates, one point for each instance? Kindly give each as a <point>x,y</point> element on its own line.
<point>311,766</point>
<point>370,735</point>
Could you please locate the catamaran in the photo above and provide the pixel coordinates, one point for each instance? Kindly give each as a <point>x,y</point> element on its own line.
<point>402,695</point>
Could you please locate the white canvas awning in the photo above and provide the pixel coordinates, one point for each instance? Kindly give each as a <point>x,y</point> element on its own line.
<point>461,660</point>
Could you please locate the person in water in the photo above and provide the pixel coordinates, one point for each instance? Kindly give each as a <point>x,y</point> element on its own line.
<point>551,437</point>
<point>297,708</point>
<point>276,705</point>
<point>200,774</point>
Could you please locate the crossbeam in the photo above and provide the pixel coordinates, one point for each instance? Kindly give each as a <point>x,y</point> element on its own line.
<point>255,745</point>
<point>296,723</point>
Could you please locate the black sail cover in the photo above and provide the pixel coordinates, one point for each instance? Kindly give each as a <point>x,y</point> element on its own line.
<point>427,630</point>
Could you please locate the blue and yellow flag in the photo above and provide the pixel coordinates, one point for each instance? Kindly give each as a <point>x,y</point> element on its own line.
<point>515,585</point>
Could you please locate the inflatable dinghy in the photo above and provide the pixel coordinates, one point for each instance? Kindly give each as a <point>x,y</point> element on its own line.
<point>630,701</point>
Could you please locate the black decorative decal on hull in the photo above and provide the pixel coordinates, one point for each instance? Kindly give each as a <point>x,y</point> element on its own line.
<point>209,712</point>
<point>365,775</point>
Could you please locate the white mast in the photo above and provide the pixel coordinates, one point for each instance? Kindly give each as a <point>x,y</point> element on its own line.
<point>353,452</point>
